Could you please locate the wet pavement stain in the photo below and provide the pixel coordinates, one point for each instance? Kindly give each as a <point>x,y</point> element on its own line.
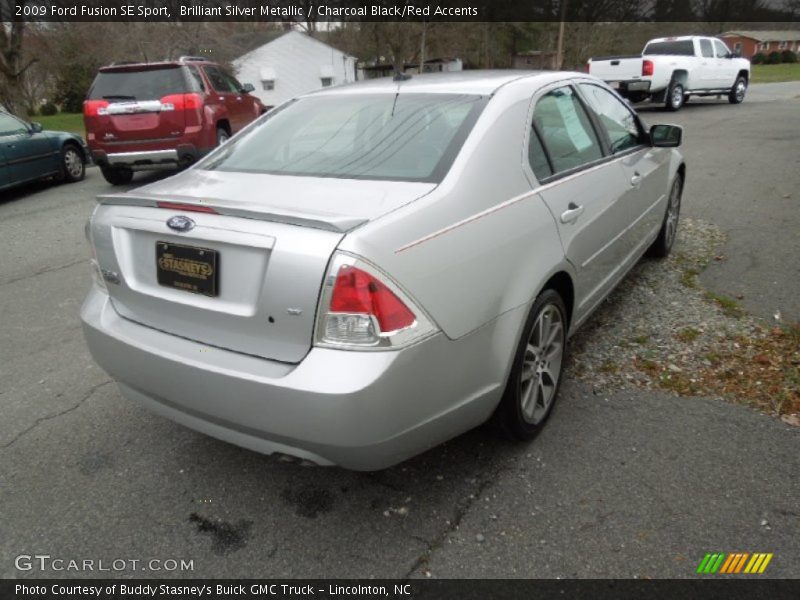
<point>226,537</point>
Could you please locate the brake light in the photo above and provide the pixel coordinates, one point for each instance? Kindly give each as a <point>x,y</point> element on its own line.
<point>187,207</point>
<point>647,68</point>
<point>362,309</point>
<point>181,102</point>
<point>93,108</point>
<point>358,292</point>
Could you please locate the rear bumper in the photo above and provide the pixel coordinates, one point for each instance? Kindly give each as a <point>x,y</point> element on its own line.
<point>148,159</point>
<point>631,86</point>
<point>360,410</point>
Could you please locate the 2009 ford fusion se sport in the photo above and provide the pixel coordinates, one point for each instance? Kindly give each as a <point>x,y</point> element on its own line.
<point>370,270</point>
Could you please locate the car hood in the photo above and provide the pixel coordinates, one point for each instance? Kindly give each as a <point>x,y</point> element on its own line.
<point>327,203</point>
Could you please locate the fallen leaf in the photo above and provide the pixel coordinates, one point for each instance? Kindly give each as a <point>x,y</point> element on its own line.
<point>793,420</point>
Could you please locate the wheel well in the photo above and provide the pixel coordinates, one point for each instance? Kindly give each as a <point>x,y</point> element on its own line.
<point>745,74</point>
<point>223,123</point>
<point>561,282</point>
<point>75,145</point>
<point>679,77</point>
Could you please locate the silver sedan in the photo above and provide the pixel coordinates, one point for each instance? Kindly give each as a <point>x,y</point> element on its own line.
<point>370,270</point>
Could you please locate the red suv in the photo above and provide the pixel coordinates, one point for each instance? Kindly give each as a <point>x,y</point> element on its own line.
<point>142,116</point>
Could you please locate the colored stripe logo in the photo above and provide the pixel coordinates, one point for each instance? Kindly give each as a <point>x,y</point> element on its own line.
<point>734,563</point>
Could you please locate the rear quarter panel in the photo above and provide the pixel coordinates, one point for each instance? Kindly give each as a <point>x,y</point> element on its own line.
<point>483,242</point>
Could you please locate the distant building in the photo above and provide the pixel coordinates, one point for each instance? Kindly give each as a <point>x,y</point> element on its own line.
<point>291,64</point>
<point>750,43</point>
<point>535,59</point>
<point>433,65</point>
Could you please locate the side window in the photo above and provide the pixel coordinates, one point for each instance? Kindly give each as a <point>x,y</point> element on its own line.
<point>218,80</point>
<point>722,49</point>
<point>566,130</point>
<point>705,48</point>
<point>11,126</point>
<point>538,157</point>
<point>196,80</point>
<point>233,83</point>
<point>617,119</point>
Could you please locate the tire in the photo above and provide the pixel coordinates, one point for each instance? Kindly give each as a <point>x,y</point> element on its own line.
<point>674,98</point>
<point>739,89</point>
<point>662,246</point>
<point>536,372</point>
<point>222,136</point>
<point>117,175</point>
<point>73,164</point>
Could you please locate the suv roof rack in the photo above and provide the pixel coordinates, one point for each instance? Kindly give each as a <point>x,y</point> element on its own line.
<point>193,59</point>
<point>119,63</point>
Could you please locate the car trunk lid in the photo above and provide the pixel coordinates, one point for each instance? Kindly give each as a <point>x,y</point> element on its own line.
<point>256,254</point>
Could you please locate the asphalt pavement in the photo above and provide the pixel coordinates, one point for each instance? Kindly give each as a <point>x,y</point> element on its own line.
<point>631,484</point>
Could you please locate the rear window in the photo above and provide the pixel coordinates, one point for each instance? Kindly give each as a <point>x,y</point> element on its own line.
<point>403,137</point>
<point>678,48</point>
<point>147,84</point>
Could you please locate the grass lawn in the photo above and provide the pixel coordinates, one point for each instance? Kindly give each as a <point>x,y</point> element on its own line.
<point>773,73</point>
<point>72,122</point>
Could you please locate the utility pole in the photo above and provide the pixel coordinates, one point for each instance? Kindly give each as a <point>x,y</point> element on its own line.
<point>560,50</point>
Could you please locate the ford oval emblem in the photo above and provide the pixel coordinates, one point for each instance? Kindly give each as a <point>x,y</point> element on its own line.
<point>180,223</point>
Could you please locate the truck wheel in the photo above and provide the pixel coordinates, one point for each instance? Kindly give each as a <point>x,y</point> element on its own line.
<point>674,99</point>
<point>117,175</point>
<point>738,91</point>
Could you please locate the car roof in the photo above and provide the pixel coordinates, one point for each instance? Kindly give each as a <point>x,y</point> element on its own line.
<point>143,66</point>
<point>458,82</point>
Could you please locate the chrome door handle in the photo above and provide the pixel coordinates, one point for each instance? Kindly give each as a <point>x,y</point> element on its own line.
<point>636,180</point>
<point>572,213</point>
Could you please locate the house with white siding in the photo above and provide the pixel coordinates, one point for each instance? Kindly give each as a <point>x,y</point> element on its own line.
<point>291,64</point>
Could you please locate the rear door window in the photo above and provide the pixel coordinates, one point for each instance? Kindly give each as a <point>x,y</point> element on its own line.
<point>145,84</point>
<point>705,49</point>
<point>618,121</point>
<point>565,131</point>
<point>672,48</point>
<point>219,81</point>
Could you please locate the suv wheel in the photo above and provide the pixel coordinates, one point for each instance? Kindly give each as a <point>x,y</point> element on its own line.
<point>117,175</point>
<point>222,136</point>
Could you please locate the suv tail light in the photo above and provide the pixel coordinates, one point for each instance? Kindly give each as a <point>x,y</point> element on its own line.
<point>181,102</point>
<point>361,309</point>
<point>93,108</point>
<point>647,68</point>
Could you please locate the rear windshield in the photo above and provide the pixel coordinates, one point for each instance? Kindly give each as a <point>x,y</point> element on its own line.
<point>680,48</point>
<point>147,84</point>
<point>404,137</point>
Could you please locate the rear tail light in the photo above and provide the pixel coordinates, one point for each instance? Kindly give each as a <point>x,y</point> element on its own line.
<point>361,308</point>
<point>181,102</point>
<point>93,108</point>
<point>647,68</point>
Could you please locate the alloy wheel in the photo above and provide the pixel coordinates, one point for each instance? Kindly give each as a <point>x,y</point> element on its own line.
<point>541,366</point>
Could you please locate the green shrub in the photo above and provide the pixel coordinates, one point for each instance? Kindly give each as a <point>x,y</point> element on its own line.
<point>48,109</point>
<point>759,58</point>
<point>774,58</point>
<point>787,56</point>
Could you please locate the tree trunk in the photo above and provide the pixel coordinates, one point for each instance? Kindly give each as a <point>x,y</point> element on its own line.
<point>12,71</point>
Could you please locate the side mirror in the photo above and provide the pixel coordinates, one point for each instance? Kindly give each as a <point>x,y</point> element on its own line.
<point>666,136</point>
<point>248,87</point>
<point>36,127</point>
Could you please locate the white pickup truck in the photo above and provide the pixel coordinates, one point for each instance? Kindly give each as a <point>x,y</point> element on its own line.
<point>671,70</point>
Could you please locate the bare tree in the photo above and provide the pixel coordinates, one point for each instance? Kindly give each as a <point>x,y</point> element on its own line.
<point>13,66</point>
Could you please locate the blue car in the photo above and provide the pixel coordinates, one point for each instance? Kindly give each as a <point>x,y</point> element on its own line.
<point>28,154</point>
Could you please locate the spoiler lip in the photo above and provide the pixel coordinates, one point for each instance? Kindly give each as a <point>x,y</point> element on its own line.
<point>317,220</point>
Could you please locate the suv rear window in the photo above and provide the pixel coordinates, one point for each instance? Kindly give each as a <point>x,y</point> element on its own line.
<point>679,48</point>
<point>401,137</point>
<point>147,84</point>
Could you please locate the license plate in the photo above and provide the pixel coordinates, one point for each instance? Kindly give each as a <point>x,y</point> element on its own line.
<point>187,268</point>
